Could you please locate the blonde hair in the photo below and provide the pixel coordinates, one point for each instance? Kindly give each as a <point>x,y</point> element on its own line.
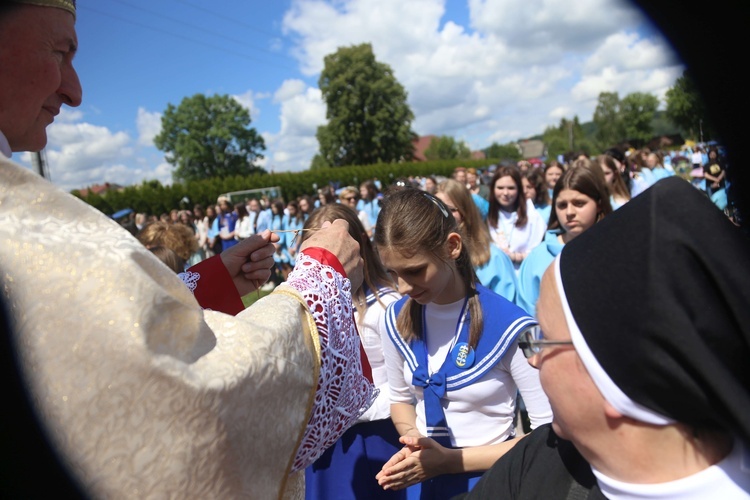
<point>349,190</point>
<point>473,229</point>
<point>177,237</point>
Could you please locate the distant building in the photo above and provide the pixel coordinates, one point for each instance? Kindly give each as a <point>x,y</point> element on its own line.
<point>423,142</point>
<point>532,148</point>
<point>100,189</point>
<point>420,146</point>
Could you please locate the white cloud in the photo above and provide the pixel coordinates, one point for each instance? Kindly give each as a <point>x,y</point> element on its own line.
<point>519,66</point>
<point>149,126</point>
<point>288,90</point>
<point>69,115</point>
<point>302,111</point>
<point>555,26</point>
<point>248,101</point>
<point>562,112</point>
<point>80,154</point>
<point>629,52</point>
<point>321,27</point>
<point>82,146</point>
<point>515,67</point>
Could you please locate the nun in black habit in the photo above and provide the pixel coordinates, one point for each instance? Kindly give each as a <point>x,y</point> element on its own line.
<point>646,362</point>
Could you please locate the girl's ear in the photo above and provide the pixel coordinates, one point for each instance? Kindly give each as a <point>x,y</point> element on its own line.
<point>454,245</point>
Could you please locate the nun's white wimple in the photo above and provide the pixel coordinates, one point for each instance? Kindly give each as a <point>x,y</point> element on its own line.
<point>613,394</point>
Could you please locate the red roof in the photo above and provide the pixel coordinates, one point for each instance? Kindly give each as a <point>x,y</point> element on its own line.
<point>420,145</point>
<point>99,189</point>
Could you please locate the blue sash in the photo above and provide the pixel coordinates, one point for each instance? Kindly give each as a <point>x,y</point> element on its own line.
<point>503,322</point>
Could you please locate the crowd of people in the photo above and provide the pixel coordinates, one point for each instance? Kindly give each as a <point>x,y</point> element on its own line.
<point>514,202</point>
<point>217,227</point>
<point>453,252</point>
<point>388,361</point>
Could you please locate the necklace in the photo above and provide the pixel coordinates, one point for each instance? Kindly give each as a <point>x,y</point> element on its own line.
<point>504,236</point>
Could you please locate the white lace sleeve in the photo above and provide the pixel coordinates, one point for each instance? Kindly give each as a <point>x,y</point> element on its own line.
<point>343,393</point>
<point>190,279</point>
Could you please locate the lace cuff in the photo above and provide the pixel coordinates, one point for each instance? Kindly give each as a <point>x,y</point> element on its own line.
<point>212,286</point>
<point>343,392</point>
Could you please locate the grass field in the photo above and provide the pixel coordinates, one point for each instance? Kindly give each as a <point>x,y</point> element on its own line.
<point>250,298</point>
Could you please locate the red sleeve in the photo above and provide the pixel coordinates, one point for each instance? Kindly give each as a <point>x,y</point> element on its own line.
<point>215,289</point>
<point>326,258</point>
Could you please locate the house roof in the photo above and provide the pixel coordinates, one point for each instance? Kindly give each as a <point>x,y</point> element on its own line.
<point>420,146</point>
<point>99,189</point>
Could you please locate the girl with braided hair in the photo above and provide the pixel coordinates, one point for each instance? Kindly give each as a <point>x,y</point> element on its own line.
<point>451,354</point>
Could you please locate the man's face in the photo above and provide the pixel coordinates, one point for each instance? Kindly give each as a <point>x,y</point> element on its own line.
<point>254,206</point>
<point>37,45</point>
<point>577,404</point>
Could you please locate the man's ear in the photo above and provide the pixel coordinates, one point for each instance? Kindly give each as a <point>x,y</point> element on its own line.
<point>454,245</point>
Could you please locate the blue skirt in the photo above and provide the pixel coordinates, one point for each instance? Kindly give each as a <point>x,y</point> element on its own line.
<point>347,469</point>
<point>445,486</point>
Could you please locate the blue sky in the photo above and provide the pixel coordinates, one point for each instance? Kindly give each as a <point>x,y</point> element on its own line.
<point>481,71</point>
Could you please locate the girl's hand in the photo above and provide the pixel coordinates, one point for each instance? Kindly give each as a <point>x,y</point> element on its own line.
<point>419,460</point>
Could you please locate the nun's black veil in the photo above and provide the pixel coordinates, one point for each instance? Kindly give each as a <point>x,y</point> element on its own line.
<point>660,291</point>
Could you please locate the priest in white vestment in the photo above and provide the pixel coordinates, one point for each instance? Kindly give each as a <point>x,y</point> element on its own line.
<point>145,389</point>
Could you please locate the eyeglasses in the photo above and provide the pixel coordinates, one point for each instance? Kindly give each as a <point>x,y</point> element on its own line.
<point>531,342</point>
<point>350,198</point>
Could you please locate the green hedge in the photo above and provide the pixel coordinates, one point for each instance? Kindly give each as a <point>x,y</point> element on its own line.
<point>153,198</point>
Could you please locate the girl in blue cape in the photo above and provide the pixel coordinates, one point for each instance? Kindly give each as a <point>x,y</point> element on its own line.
<point>293,219</point>
<point>514,224</point>
<point>535,189</point>
<point>451,354</point>
<point>618,191</point>
<point>579,200</point>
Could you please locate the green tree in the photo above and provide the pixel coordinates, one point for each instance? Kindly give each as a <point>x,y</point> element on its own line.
<point>685,108</point>
<point>608,121</point>
<point>369,120</point>
<point>319,163</point>
<point>208,137</point>
<point>507,151</point>
<point>447,148</point>
<point>567,138</point>
<point>637,112</point>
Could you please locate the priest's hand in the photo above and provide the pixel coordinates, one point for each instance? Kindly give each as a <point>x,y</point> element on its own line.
<point>335,238</point>
<point>250,261</point>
